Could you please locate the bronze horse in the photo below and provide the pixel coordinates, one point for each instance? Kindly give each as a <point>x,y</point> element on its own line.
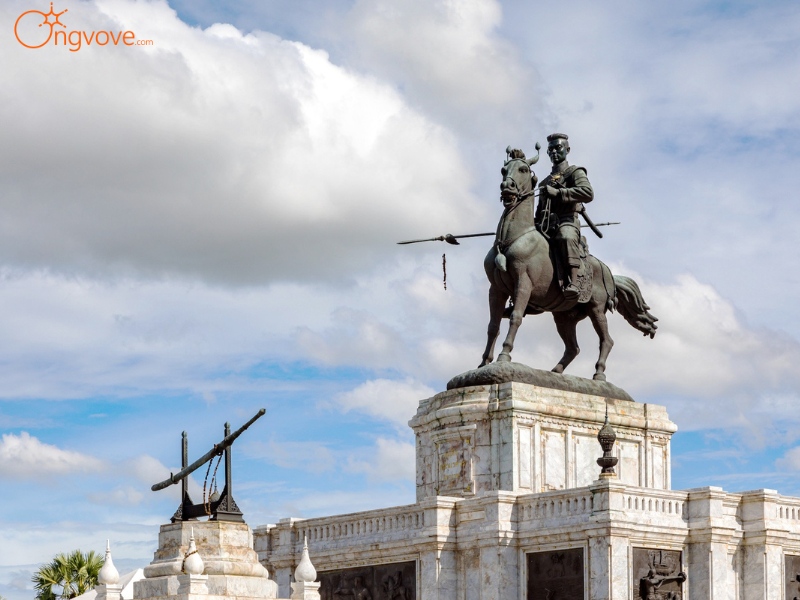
<point>520,266</point>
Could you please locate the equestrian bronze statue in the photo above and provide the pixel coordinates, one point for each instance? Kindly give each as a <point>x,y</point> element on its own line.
<point>541,262</point>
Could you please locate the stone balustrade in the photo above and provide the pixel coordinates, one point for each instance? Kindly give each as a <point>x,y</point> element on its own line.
<point>534,508</point>
<point>656,501</point>
<point>788,508</point>
<point>355,528</point>
<point>329,536</point>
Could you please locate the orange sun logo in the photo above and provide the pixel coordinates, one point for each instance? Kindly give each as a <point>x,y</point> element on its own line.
<point>46,20</point>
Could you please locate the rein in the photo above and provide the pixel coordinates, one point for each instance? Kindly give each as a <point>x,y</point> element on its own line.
<point>519,198</point>
<point>515,200</point>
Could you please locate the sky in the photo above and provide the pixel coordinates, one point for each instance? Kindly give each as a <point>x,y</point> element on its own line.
<point>202,223</point>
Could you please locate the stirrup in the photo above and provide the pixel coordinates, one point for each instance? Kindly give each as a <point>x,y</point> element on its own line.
<point>571,292</point>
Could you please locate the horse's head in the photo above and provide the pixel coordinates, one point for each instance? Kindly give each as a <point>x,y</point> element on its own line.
<point>519,181</point>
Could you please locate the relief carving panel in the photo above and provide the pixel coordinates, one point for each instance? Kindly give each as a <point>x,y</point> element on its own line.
<point>658,574</point>
<point>792,577</point>
<point>395,581</point>
<point>454,461</point>
<point>556,574</point>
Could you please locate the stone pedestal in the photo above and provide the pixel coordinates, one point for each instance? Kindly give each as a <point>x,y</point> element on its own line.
<point>524,438</point>
<point>193,587</point>
<point>305,590</point>
<point>511,506</point>
<point>108,591</point>
<point>232,569</point>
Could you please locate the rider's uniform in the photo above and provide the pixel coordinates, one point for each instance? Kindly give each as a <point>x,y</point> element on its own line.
<point>573,189</point>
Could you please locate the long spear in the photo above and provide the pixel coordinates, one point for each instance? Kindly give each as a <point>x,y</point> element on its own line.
<point>453,239</point>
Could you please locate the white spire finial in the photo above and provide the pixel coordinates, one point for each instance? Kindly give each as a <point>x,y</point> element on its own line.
<point>192,563</point>
<point>305,571</point>
<point>108,574</point>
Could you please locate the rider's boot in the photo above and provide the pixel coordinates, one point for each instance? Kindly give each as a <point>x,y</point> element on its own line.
<point>571,290</point>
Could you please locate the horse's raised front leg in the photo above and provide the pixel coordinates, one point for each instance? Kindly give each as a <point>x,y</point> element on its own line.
<point>497,304</point>
<point>522,294</point>
<point>566,323</point>
<point>600,323</point>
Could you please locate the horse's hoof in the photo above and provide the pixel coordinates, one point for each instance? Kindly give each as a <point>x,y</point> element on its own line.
<point>504,357</point>
<point>484,362</point>
<point>599,377</point>
<point>557,369</point>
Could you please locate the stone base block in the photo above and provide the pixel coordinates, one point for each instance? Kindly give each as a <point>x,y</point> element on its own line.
<point>524,438</point>
<point>303,590</point>
<point>225,547</point>
<point>231,570</point>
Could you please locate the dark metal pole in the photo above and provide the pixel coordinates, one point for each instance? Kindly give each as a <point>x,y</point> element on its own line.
<point>184,464</point>
<point>228,477</point>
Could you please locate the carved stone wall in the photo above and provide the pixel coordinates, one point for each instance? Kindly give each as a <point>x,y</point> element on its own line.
<point>518,437</point>
<point>657,574</point>
<point>395,581</point>
<point>556,574</point>
<point>454,449</point>
<point>792,571</point>
<point>502,532</point>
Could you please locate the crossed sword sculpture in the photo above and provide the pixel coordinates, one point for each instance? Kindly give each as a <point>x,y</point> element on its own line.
<point>221,508</point>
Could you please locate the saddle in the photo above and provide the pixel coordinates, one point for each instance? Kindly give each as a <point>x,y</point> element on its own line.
<point>584,284</point>
<point>585,275</point>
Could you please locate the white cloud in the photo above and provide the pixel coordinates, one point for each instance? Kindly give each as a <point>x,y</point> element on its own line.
<point>146,469</point>
<point>312,457</point>
<point>116,338</point>
<point>25,457</point>
<point>448,57</point>
<point>704,348</point>
<point>390,460</point>
<point>391,400</point>
<point>140,473</point>
<point>790,461</point>
<point>118,496</point>
<point>238,158</point>
<point>33,543</point>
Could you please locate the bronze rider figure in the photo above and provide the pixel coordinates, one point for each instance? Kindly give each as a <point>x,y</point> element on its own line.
<point>561,197</point>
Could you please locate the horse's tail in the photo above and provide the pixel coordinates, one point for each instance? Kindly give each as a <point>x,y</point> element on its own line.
<point>609,286</point>
<point>632,306</point>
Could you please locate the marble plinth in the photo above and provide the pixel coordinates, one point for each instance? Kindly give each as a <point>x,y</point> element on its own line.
<point>232,569</point>
<point>520,437</point>
<point>506,372</point>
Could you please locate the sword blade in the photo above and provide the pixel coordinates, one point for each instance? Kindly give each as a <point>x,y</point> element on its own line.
<point>604,224</point>
<point>215,451</point>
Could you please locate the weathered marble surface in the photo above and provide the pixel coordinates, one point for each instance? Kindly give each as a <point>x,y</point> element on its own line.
<point>556,573</point>
<point>475,548</point>
<point>232,569</point>
<point>515,461</point>
<point>505,372</point>
<point>390,581</point>
<point>524,438</point>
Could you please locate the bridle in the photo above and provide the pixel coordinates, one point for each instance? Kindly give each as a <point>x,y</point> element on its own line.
<point>512,199</point>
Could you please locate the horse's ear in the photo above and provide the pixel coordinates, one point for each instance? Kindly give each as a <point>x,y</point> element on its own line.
<point>534,159</point>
